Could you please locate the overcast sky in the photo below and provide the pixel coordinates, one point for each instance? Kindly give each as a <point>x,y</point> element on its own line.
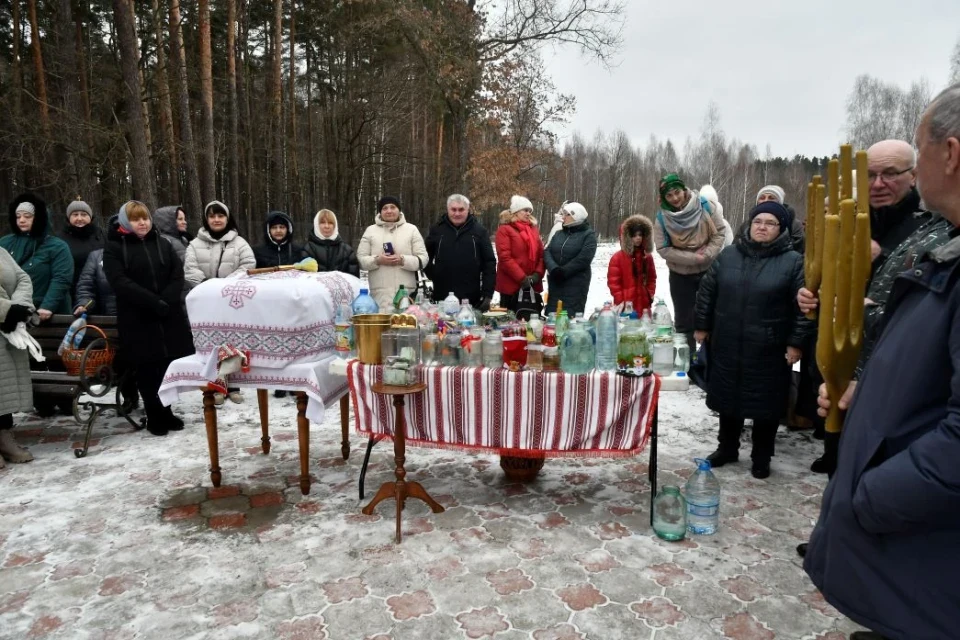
<point>780,71</point>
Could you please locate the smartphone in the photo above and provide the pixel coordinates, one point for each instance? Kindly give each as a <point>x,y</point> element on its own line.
<point>388,248</point>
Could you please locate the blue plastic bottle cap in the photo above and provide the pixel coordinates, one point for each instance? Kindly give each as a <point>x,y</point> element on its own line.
<point>681,374</point>
<point>364,292</point>
<point>702,463</point>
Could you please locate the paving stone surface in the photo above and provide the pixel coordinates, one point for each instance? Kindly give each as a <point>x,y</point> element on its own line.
<point>133,542</point>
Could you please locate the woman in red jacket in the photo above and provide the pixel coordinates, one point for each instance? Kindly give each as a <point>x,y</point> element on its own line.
<point>631,275</point>
<point>519,253</point>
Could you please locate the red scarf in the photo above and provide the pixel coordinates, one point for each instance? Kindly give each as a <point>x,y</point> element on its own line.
<point>531,238</point>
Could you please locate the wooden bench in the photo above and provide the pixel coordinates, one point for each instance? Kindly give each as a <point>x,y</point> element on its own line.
<point>89,394</point>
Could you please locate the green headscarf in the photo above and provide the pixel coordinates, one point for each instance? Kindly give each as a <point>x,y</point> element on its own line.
<point>668,183</point>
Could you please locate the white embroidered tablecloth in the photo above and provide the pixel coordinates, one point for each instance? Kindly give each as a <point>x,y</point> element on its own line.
<point>313,378</point>
<point>281,318</point>
<point>519,414</point>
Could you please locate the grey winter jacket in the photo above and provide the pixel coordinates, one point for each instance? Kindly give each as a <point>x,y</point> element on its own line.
<point>93,285</point>
<point>208,257</point>
<point>16,391</point>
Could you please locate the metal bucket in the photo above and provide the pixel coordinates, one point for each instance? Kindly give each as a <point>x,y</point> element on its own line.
<point>367,328</point>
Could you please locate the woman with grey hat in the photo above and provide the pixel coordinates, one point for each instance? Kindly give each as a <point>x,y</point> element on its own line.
<point>83,235</point>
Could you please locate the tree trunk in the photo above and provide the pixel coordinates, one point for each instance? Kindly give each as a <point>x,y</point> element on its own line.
<point>276,98</point>
<point>69,146</point>
<point>166,110</point>
<point>141,166</point>
<point>189,154</point>
<point>40,76</point>
<point>84,86</point>
<point>208,170</point>
<point>232,82</point>
<point>17,69</point>
<point>294,198</point>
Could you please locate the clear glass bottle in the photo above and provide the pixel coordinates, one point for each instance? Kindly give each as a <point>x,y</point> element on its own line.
<point>670,514</point>
<point>578,354</point>
<point>535,356</point>
<point>493,349</point>
<point>681,361</point>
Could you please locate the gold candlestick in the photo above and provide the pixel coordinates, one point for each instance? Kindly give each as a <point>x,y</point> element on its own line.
<point>813,251</point>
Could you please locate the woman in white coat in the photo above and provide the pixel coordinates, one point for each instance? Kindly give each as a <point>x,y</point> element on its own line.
<point>218,250</point>
<point>391,251</point>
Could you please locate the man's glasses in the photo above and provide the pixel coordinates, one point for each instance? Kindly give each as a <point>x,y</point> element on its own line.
<point>887,175</point>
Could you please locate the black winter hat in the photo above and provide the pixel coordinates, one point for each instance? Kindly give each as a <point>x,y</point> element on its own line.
<point>385,200</point>
<point>775,209</point>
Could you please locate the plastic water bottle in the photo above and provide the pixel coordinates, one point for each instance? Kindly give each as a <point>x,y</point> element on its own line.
<point>703,500</point>
<point>661,318</point>
<point>466,318</point>
<point>74,334</point>
<point>363,303</point>
<point>607,339</point>
<point>451,304</point>
<point>343,326</point>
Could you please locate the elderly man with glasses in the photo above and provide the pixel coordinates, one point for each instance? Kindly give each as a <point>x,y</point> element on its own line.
<point>895,210</point>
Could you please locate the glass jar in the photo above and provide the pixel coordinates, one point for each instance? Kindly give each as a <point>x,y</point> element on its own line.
<point>670,514</point>
<point>578,354</point>
<point>548,337</point>
<point>662,355</point>
<point>633,349</point>
<point>430,349</point>
<point>562,325</point>
<point>493,350</point>
<point>388,344</point>
<point>450,349</point>
<point>551,359</point>
<point>471,347</point>
<point>408,343</point>
<point>534,356</point>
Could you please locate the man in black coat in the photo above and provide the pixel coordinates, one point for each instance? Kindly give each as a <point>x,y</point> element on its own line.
<point>461,256</point>
<point>895,210</point>
<point>278,247</point>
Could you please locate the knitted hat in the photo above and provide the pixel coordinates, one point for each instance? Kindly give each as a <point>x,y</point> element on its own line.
<point>26,207</point>
<point>668,183</point>
<point>778,193</point>
<point>519,203</point>
<point>577,210</point>
<point>385,200</point>
<point>216,205</point>
<point>776,210</point>
<point>79,205</point>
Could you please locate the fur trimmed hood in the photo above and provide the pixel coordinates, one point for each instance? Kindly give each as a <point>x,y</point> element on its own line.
<point>630,226</point>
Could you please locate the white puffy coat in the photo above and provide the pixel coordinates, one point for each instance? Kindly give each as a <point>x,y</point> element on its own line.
<point>207,257</point>
<point>16,392</point>
<point>407,241</point>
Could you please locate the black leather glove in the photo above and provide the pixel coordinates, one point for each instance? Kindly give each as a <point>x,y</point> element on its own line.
<point>526,282</point>
<point>484,305</point>
<point>535,278</point>
<point>16,313</point>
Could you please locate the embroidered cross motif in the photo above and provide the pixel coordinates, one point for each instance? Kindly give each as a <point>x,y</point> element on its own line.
<point>237,292</point>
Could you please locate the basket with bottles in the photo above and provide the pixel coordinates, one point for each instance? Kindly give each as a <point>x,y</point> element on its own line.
<point>92,359</point>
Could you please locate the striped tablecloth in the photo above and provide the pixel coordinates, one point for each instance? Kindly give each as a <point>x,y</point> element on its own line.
<point>530,413</point>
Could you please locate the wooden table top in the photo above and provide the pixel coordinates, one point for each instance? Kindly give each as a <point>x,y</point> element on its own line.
<point>398,390</point>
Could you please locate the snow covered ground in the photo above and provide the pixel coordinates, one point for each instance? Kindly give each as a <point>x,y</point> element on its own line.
<point>133,542</point>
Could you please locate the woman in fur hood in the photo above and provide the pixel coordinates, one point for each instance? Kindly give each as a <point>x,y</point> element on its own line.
<point>631,275</point>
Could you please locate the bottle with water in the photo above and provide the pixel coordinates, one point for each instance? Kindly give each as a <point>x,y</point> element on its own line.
<point>607,339</point>
<point>74,335</point>
<point>703,500</point>
<point>682,350</point>
<point>466,317</point>
<point>450,304</point>
<point>661,319</point>
<point>343,327</point>
<point>364,303</point>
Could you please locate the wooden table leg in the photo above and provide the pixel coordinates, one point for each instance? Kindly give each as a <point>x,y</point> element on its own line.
<point>303,430</point>
<point>345,425</point>
<point>400,489</point>
<point>263,401</point>
<point>210,420</point>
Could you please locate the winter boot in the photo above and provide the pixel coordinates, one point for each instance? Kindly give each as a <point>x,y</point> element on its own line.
<point>218,399</point>
<point>174,423</point>
<point>10,450</point>
<point>827,463</point>
<point>764,437</point>
<point>157,422</point>
<point>729,442</point>
<point>235,396</point>
<point>279,393</point>
<point>802,549</point>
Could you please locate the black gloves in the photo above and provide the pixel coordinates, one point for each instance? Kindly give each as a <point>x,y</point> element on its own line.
<point>484,305</point>
<point>535,278</point>
<point>16,313</point>
<point>526,282</point>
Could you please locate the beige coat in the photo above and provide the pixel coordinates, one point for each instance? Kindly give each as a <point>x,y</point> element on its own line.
<point>16,391</point>
<point>691,261</point>
<point>209,258</point>
<point>385,280</point>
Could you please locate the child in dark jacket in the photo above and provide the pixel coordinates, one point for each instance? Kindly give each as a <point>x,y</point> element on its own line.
<point>278,247</point>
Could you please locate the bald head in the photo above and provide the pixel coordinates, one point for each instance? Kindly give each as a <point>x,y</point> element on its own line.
<point>890,164</point>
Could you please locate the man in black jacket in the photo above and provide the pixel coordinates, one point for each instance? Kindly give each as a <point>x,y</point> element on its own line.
<point>895,210</point>
<point>461,256</point>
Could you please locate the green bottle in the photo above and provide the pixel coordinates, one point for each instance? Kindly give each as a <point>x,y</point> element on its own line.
<point>398,300</point>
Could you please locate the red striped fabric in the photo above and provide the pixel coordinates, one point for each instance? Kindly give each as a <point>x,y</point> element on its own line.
<point>533,414</point>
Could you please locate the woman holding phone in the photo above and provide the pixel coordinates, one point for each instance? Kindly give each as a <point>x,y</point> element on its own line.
<point>391,251</point>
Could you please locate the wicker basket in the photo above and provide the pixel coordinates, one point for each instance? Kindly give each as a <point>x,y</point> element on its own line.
<point>96,359</point>
<point>519,469</point>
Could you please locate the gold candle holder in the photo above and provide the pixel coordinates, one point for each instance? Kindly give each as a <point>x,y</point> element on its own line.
<point>813,251</point>
<point>845,270</point>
